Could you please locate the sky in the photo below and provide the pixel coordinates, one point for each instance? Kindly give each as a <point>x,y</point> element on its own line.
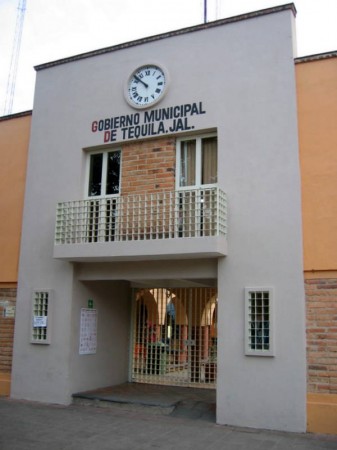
<point>55,29</point>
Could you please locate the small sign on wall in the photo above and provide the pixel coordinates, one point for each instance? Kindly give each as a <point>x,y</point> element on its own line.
<point>40,321</point>
<point>9,312</point>
<point>88,331</point>
<point>90,303</point>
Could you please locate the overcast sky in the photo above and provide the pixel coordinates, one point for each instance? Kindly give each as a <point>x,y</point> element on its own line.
<point>55,29</point>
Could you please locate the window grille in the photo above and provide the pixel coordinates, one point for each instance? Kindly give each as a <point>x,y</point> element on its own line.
<point>40,331</point>
<point>259,321</point>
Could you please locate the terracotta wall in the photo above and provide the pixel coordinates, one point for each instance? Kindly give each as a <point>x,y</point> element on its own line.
<point>317,112</point>
<point>7,308</point>
<point>321,295</point>
<point>148,166</point>
<point>14,141</point>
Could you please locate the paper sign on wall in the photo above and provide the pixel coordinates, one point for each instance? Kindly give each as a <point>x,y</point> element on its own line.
<point>40,321</point>
<point>9,312</point>
<point>88,331</point>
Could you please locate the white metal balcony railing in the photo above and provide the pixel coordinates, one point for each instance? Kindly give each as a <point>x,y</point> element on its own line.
<point>164,215</point>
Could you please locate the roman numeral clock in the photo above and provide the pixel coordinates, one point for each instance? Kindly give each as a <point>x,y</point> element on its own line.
<point>146,86</point>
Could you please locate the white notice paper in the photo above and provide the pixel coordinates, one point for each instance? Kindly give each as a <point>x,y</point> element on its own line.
<point>88,331</point>
<point>40,321</point>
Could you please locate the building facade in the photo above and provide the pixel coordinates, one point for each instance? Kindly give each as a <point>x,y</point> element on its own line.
<point>133,287</point>
<point>14,140</point>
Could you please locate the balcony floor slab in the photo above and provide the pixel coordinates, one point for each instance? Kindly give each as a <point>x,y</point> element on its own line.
<point>143,250</point>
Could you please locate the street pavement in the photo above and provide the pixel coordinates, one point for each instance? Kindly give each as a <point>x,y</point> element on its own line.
<point>29,425</point>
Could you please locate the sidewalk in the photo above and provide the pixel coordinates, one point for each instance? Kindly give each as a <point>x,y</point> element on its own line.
<point>28,425</point>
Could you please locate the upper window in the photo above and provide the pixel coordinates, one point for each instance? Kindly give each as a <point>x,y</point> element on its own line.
<point>104,174</point>
<point>197,162</point>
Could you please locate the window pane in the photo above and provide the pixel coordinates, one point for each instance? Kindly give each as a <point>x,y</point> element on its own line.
<point>95,175</point>
<point>113,171</point>
<point>209,169</point>
<point>187,163</point>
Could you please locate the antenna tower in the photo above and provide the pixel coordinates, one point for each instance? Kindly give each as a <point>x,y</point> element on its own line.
<point>13,68</point>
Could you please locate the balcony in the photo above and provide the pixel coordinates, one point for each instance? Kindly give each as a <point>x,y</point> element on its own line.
<point>165,225</point>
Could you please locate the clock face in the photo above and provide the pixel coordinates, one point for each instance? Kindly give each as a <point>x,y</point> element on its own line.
<point>146,86</point>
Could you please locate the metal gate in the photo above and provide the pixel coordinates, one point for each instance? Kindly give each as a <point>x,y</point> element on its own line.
<point>174,336</point>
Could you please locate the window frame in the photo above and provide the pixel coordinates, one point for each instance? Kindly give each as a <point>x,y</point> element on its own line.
<point>198,162</point>
<point>105,154</point>
<point>45,338</point>
<point>249,351</point>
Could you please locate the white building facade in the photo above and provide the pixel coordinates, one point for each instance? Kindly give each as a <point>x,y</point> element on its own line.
<point>162,239</point>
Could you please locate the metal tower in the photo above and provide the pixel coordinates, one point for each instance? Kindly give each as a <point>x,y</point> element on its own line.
<point>13,68</point>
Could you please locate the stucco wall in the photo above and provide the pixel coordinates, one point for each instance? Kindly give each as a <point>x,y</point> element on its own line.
<point>260,172</point>
<point>109,365</point>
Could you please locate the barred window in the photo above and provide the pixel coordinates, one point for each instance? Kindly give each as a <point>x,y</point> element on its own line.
<point>40,331</point>
<point>259,321</point>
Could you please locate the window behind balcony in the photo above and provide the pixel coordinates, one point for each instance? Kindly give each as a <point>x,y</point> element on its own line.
<point>197,162</point>
<point>103,188</point>
<point>104,174</point>
<point>197,175</point>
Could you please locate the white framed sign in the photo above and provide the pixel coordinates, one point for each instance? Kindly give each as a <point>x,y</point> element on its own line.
<point>88,331</point>
<point>9,312</point>
<point>40,321</point>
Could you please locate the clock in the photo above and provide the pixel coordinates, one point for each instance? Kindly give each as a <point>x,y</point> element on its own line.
<point>146,86</point>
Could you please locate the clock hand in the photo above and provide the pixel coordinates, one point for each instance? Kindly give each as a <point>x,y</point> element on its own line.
<point>141,81</point>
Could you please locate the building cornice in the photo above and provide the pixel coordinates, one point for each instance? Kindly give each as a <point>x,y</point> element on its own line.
<point>316,57</point>
<point>16,115</point>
